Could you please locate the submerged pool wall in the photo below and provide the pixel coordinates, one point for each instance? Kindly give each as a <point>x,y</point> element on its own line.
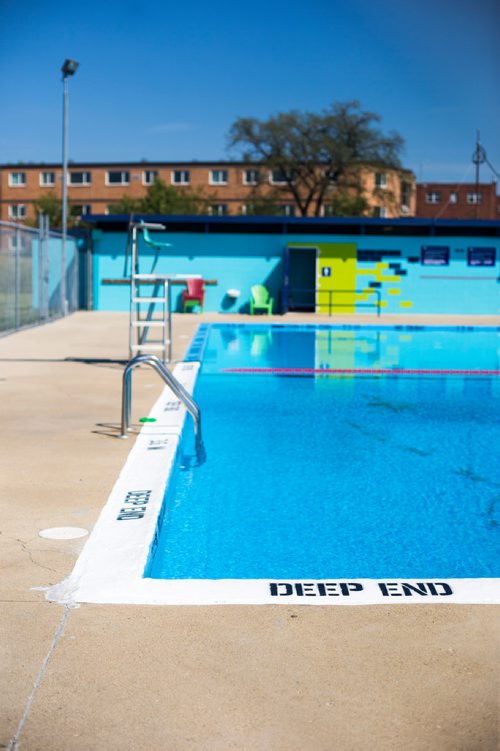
<point>410,266</point>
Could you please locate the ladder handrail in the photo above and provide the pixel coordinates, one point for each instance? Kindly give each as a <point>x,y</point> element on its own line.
<point>171,381</point>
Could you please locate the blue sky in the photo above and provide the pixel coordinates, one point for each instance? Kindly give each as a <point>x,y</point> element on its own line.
<point>164,81</point>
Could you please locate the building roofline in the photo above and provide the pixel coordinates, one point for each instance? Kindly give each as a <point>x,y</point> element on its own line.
<point>149,164</point>
<point>302,225</point>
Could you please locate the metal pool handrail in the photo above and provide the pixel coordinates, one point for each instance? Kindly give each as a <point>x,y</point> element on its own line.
<point>172,382</point>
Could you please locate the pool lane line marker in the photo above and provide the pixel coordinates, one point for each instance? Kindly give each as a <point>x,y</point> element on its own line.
<point>360,371</point>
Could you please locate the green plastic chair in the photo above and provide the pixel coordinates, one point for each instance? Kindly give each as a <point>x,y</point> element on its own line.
<point>260,300</point>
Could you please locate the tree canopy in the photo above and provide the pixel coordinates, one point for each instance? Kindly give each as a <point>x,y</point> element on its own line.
<point>319,156</point>
<point>51,205</point>
<point>163,199</point>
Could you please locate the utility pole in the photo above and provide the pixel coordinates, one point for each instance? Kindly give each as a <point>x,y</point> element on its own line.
<point>68,69</point>
<point>478,157</point>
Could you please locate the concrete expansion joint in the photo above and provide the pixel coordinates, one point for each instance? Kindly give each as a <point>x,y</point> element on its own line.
<point>14,742</point>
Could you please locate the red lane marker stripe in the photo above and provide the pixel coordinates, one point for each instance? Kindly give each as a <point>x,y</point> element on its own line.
<point>367,371</point>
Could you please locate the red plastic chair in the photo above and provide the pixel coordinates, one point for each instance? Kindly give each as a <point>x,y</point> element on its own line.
<point>194,294</point>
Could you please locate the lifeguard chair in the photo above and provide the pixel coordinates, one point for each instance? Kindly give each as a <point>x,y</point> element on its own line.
<point>149,310</point>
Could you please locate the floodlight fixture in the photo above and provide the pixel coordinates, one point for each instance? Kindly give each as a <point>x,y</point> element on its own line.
<point>69,67</point>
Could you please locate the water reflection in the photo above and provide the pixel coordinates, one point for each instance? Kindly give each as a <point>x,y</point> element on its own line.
<point>327,348</point>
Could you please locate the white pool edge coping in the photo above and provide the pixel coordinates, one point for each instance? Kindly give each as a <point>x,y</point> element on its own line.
<point>110,567</point>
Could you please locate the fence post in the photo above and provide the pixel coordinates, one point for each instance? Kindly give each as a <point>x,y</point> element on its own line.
<point>17,280</point>
<point>44,262</point>
<point>76,274</point>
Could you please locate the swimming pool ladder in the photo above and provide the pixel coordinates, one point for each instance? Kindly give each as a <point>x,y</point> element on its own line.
<point>172,382</point>
<point>157,316</point>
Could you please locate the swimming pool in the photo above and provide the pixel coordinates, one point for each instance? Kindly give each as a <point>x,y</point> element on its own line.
<point>320,476</point>
<point>345,465</point>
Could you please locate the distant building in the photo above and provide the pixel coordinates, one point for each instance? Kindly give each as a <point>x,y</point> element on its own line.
<point>452,201</point>
<point>230,187</point>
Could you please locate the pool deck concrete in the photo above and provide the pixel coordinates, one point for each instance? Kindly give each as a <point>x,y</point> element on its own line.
<point>277,678</point>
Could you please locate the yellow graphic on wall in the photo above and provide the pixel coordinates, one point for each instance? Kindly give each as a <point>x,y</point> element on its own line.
<point>336,278</point>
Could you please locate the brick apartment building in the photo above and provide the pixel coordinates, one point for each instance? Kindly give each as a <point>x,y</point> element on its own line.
<point>228,186</point>
<point>452,201</point>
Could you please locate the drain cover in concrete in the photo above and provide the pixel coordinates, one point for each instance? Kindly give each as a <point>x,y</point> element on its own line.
<point>63,533</point>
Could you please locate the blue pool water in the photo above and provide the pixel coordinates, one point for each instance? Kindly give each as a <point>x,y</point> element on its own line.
<point>337,477</point>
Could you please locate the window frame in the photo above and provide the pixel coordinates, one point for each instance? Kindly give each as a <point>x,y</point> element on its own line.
<point>433,197</point>
<point>85,183</point>
<point>86,206</point>
<point>381,180</point>
<point>256,181</point>
<point>122,182</point>
<point>16,215</point>
<point>43,183</point>
<point>474,198</point>
<point>218,206</point>
<point>150,172</point>
<point>273,181</point>
<point>212,181</point>
<point>14,183</point>
<point>182,173</point>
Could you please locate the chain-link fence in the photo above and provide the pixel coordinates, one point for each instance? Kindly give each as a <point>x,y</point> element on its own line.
<point>32,289</point>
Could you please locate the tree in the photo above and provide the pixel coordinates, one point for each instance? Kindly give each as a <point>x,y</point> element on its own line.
<point>263,205</point>
<point>346,204</point>
<point>50,205</point>
<point>314,156</point>
<point>163,199</point>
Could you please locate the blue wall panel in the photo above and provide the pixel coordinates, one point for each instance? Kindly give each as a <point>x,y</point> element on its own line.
<point>237,261</point>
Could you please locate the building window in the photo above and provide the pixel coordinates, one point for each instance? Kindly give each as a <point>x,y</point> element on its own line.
<point>279,177</point>
<point>474,198</point>
<point>118,177</point>
<point>181,177</point>
<point>17,211</point>
<point>218,177</point>
<point>251,177</point>
<point>149,176</point>
<point>380,180</point>
<point>218,209</point>
<point>433,196</point>
<point>405,195</point>
<point>288,209</point>
<point>331,176</point>
<point>80,209</point>
<point>19,241</point>
<point>380,212</point>
<point>454,197</point>
<point>17,179</point>
<point>80,178</point>
<point>47,179</point>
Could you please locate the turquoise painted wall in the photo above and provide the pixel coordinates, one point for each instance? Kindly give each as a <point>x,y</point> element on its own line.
<point>237,261</point>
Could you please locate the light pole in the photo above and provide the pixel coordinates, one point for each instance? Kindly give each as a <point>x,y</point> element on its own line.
<point>68,69</point>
